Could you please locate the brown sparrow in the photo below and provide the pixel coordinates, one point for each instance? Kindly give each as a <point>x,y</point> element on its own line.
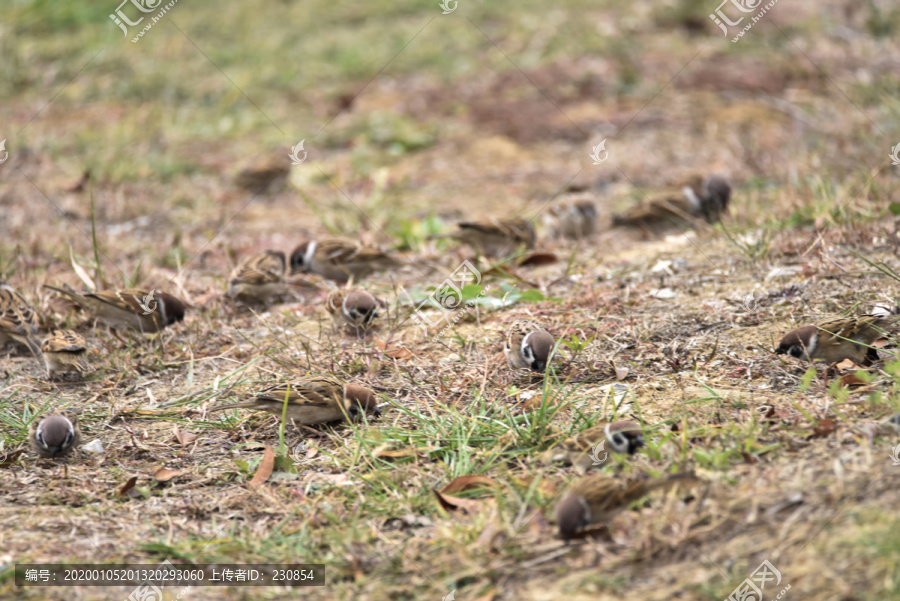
<point>494,237</point>
<point>707,198</point>
<point>313,400</point>
<point>55,434</point>
<point>339,259</point>
<point>597,499</point>
<point>528,345</point>
<point>264,174</point>
<point>351,307</point>
<point>146,311</point>
<point>623,437</point>
<point>573,218</point>
<point>18,320</point>
<point>64,352</point>
<point>836,340</point>
<point>258,278</point>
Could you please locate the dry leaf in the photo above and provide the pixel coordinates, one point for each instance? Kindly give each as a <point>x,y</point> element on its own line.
<point>467,482</point>
<point>265,467</point>
<point>393,351</point>
<point>185,438</point>
<point>311,452</point>
<point>851,380</point>
<point>621,373</point>
<point>452,503</point>
<point>126,488</point>
<point>81,273</point>
<point>537,259</point>
<point>10,458</point>
<point>164,474</point>
<point>824,427</point>
<point>388,453</point>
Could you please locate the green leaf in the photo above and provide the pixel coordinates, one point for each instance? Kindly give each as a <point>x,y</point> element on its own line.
<point>471,291</point>
<point>531,296</point>
<point>894,208</point>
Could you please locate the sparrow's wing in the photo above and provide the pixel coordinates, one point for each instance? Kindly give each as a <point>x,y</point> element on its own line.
<point>16,315</point>
<point>266,268</point>
<point>338,252</point>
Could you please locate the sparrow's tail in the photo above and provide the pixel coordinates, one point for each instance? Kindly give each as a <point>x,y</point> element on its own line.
<point>242,405</point>
<point>32,345</point>
<point>66,291</point>
<point>643,487</point>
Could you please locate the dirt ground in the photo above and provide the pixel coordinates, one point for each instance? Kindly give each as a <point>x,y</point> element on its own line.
<point>148,164</point>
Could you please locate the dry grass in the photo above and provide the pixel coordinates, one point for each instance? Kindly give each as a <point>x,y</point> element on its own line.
<point>489,111</point>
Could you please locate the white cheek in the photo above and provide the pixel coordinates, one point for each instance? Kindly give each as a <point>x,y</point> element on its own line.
<point>813,344</point>
<point>310,251</point>
<point>691,196</point>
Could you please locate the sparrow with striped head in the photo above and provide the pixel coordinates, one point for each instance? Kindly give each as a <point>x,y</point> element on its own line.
<point>18,320</point>
<point>313,400</point>
<point>55,434</point>
<point>145,311</point>
<point>351,307</point>
<point>835,340</point>
<point>581,450</point>
<point>528,345</point>
<point>64,352</point>
<point>706,198</point>
<point>259,279</point>
<point>598,498</point>
<point>340,260</point>
<point>494,237</point>
<point>575,219</point>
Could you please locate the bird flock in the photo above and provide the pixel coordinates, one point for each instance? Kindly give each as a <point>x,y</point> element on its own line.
<point>261,279</point>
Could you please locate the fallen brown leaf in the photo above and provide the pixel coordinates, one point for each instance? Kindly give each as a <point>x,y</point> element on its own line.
<point>10,458</point>
<point>462,483</point>
<point>852,380</point>
<point>393,351</point>
<point>824,427</point>
<point>164,474</point>
<point>453,503</point>
<point>126,488</point>
<point>265,467</point>
<point>185,438</point>
<point>537,259</point>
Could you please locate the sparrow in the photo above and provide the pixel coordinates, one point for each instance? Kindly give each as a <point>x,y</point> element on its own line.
<point>266,174</point>
<point>339,260</point>
<point>352,307</point>
<point>699,197</point>
<point>146,311</point>
<point>574,218</point>
<point>55,434</point>
<point>837,339</point>
<point>599,498</point>
<point>313,400</point>
<point>64,351</point>
<point>623,437</point>
<point>494,237</point>
<point>18,320</point>
<point>258,278</point>
<point>528,345</point>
